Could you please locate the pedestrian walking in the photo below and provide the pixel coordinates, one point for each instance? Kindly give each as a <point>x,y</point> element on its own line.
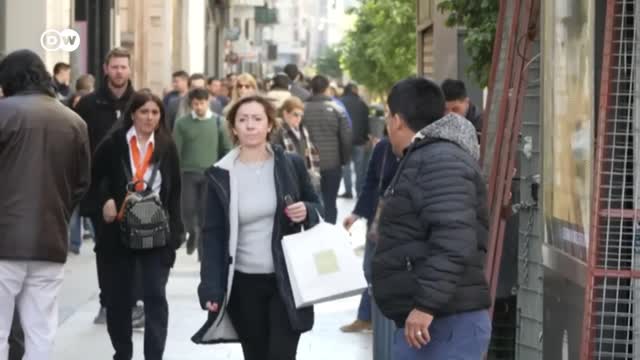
<point>457,101</point>
<point>138,156</point>
<point>256,195</point>
<point>279,92</point>
<point>61,81</point>
<point>428,267</point>
<point>296,88</point>
<point>179,87</point>
<point>101,110</point>
<point>331,133</point>
<point>361,147</point>
<point>244,85</point>
<point>294,137</point>
<point>201,140</point>
<point>382,168</point>
<point>45,167</point>
<point>216,89</point>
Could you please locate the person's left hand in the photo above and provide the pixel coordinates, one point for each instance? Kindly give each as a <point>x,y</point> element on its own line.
<point>416,328</point>
<point>296,212</point>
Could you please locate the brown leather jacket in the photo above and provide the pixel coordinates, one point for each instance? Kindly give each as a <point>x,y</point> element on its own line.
<point>44,172</point>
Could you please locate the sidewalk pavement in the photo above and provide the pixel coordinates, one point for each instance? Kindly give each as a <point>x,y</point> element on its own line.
<point>78,338</point>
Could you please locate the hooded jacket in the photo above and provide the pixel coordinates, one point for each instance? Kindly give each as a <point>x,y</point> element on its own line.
<point>220,240</point>
<point>434,227</point>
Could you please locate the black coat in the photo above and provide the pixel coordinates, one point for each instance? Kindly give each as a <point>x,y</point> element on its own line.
<point>359,114</point>
<point>291,178</point>
<point>110,179</point>
<point>100,110</point>
<point>434,227</point>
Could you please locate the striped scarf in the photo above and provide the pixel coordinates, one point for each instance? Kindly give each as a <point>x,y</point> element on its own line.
<point>311,155</point>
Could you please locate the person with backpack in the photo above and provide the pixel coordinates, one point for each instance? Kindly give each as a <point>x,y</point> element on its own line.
<point>137,174</point>
<point>201,141</point>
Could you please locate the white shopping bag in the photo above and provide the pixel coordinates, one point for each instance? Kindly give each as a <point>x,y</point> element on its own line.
<point>322,265</point>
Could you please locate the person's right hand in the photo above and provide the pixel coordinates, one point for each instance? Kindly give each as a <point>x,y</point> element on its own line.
<point>349,221</point>
<point>109,211</point>
<point>213,307</point>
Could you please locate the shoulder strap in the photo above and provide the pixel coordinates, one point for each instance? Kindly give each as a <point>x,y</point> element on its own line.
<point>154,173</point>
<point>384,163</point>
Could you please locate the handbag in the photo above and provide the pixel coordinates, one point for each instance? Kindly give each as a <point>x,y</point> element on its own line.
<point>144,223</point>
<point>322,265</point>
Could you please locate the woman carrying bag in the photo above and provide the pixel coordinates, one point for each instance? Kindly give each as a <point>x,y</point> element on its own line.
<point>256,195</point>
<point>136,172</point>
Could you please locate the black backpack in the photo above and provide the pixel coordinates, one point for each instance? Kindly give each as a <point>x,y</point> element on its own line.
<point>145,223</point>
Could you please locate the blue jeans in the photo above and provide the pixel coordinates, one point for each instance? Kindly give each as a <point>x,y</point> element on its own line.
<point>75,230</point>
<point>360,157</point>
<point>463,336</point>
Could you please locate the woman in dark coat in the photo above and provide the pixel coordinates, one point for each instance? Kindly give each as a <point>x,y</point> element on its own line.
<point>141,143</point>
<point>257,195</point>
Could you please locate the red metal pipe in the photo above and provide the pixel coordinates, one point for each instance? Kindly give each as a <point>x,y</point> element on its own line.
<point>495,196</point>
<point>495,59</point>
<point>587,346</point>
<point>529,19</point>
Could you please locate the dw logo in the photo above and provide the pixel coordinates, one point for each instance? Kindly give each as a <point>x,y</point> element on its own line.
<point>66,40</point>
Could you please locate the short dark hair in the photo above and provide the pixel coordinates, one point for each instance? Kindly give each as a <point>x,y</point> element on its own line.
<point>351,88</point>
<point>454,90</point>
<point>24,70</point>
<point>180,73</point>
<point>281,82</point>
<point>319,84</point>
<point>418,101</point>
<point>196,76</point>
<point>292,71</point>
<point>212,79</point>
<point>198,94</point>
<point>58,67</point>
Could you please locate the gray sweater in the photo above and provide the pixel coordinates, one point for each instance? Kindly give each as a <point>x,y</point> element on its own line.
<point>256,210</point>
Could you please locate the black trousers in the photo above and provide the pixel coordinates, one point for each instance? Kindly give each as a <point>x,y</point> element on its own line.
<point>329,186</point>
<point>154,267</point>
<point>105,276</point>
<point>260,317</point>
<point>194,194</point>
<point>16,338</point>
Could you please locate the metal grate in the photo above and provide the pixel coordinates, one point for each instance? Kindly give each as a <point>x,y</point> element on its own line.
<point>613,287</point>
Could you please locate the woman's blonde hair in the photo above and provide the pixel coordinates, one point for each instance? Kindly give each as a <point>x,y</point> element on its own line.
<point>243,78</point>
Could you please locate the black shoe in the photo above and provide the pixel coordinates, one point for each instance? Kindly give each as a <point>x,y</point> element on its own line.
<point>101,318</point>
<point>346,196</point>
<point>138,323</point>
<point>191,245</point>
<point>137,317</point>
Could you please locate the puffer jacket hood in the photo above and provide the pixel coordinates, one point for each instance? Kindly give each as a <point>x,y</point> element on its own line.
<point>454,128</point>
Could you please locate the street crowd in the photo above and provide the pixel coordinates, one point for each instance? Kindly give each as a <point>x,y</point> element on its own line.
<point>228,167</point>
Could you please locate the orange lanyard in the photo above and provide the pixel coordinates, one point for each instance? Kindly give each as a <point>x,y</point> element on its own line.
<point>141,167</point>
